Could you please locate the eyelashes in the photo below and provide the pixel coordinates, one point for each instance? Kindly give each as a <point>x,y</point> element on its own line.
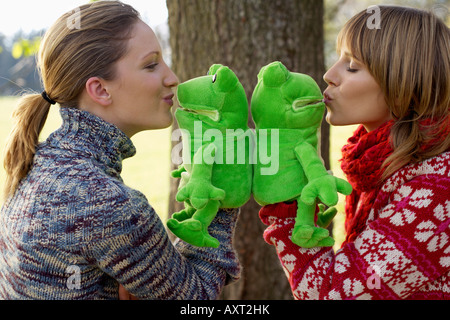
<point>151,66</point>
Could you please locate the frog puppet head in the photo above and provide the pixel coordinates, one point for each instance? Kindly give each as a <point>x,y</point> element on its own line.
<point>284,99</point>
<point>218,100</point>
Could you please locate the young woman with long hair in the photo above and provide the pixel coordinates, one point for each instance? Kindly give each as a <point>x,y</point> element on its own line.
<point>69,227</point>
<point>395,82</point>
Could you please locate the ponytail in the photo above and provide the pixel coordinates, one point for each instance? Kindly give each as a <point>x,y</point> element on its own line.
<point>29,118</point>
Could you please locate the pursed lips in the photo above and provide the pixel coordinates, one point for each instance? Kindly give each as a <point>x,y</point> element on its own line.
<point>327,98</point>
<point>169,99</point>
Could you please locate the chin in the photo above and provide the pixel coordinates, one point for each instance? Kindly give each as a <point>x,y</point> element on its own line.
<point>328,119</point>
<point>163,124</point>
<point>169,121</point>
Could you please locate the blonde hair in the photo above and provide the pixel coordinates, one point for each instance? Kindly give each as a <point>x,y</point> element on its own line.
<point>68,56</point>
<point>408,55</point>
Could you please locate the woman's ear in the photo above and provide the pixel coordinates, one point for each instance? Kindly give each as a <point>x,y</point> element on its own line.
<point>97,91</point>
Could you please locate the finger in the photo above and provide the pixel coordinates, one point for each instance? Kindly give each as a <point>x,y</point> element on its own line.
<point>324,218</point>
<point>343,186</point>
<point>329,197</point>
<point>308,195</point>
<point>199,203</point>
<point>182,195</point>
<point>217,194</point>
<point>176,174</point>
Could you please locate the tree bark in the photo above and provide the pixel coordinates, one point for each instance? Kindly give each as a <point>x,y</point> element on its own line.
<point>246,35</point>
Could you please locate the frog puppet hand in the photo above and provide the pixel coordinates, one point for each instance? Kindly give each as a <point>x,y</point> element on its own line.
<point>322,187</point>
<point>199,189</point>
<point>325,188</point>
<point>201,199</point>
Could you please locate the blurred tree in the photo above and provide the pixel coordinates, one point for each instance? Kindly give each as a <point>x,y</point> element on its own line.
<point>18,63</point>
<point>25,47</point>
<point>246,35</point>
<point>28,47</point>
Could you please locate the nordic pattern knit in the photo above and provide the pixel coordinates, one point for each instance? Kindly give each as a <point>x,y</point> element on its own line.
<point>403,253</point>
<point>73,216</point>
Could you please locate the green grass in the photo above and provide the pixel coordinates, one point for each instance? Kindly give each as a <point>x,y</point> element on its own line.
<point>149,170</point>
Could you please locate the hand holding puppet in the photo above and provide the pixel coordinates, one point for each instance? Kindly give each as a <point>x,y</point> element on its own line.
<point>290,105</point>
<point>216,170</point>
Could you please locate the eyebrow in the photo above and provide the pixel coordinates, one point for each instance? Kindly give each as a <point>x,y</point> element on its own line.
<point>156,53</point>
<point>348,54</point>
<point>351,56</point>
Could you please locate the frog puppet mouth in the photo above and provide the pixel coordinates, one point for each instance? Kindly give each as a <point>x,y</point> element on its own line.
<point>307,103</point>
<point>203,111</point>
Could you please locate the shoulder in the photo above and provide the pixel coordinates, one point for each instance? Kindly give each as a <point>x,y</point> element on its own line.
<point>417,192</point>
<point>83,200</point>
<point>433,171</point>
<point>420,187</point>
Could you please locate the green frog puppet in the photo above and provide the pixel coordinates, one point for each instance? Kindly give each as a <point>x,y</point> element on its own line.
<point>217,146</point>
<point>289,105</point>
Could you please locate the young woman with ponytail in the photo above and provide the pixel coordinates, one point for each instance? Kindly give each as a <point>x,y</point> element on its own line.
<point>69,227</point>
<point>395,82</point>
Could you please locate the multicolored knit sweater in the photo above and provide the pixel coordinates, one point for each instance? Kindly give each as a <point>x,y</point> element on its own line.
<point>74,230</point>
<point>403,252</point>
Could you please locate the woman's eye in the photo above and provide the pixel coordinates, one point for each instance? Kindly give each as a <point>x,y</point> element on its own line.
<point>151,66</point>
<point>352,70</point>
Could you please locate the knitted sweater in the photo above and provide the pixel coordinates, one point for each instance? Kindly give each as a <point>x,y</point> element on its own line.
<point>74,230</point>
<point>403,253</point>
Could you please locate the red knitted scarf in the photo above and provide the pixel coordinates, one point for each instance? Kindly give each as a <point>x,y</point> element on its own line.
<point>362,162</point>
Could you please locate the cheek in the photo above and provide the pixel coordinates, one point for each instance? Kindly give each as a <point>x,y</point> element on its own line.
<point>363,91</point>
<point>356,89</point>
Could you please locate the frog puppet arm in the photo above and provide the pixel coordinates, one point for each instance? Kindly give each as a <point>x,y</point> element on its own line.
<point>209,105</point>
<point>289,105</point>
<point>322,188</point>
<point>199,189</point>
<point>201,199</point>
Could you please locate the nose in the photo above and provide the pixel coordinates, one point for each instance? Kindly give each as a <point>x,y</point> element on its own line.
<point>170,80</point>
<point>330,77</point>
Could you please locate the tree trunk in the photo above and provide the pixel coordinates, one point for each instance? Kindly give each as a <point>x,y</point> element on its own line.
<point>246,35</point>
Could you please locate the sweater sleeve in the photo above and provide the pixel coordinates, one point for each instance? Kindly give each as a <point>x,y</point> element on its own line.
<point>136,251</point>
<point>401,251</point>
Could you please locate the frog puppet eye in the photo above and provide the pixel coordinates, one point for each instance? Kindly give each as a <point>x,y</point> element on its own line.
<point>224,79</point>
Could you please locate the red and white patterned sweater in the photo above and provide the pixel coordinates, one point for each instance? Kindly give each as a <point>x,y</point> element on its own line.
<point>404,252</point>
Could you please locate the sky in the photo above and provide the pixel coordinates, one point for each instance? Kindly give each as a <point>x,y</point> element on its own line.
<point>28,15</point>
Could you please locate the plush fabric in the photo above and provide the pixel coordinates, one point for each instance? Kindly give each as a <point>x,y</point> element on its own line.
<point>74,230</point>
<point>217,145</point>
<point>287,108</point>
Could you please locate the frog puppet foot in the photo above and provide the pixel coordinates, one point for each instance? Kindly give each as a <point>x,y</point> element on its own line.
<point>307,236</point>
<point>184,214</point>
<point>193,232</point>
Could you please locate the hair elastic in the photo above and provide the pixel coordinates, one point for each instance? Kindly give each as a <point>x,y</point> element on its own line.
<point>47,98</point>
